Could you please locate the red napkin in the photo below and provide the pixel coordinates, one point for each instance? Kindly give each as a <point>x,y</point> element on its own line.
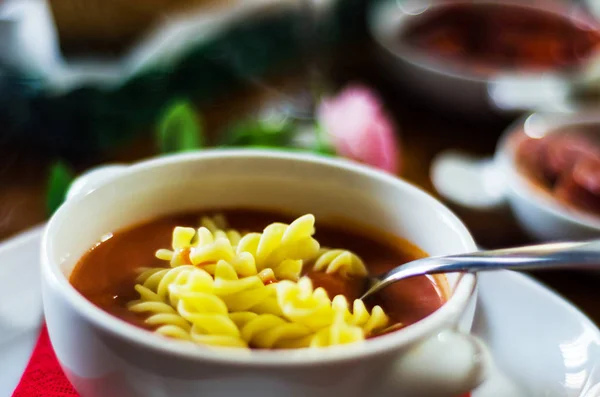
<point>43,376</point>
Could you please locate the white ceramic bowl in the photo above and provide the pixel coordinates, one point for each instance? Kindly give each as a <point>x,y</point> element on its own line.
<point>469,93</point>
<point>492,183</point>
<point>104,356</point>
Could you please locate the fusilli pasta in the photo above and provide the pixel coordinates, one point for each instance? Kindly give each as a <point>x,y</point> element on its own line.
<point>189,292</point>
<point>191,246</point>
<point>312,308</point>
<point>225,288</point>
<point>214,223</point>
<point>160,313</point>
<point>181,242</point>
<point>210,248</point>
<point>270,331</point>
<point>244,294</point>
<point>217,224</point>
<point>281,247</point>
<point>302,305</point>
<point>340,261</point>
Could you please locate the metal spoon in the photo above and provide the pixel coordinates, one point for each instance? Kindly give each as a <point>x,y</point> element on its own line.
<point>544,256</point>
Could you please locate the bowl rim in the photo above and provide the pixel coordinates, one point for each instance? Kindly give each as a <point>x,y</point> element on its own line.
<point>442,318</point>
<point>421,60</point>
<point>523,186</point>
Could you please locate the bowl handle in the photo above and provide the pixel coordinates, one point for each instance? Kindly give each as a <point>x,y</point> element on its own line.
<point>469,182</point>
<point>93,178</point>
<point>448,364</point>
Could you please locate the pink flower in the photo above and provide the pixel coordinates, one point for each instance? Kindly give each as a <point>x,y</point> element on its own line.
<point>358,128</point>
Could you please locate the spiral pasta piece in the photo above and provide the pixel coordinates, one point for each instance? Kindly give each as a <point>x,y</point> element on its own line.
<point>312,308</point>
<point>214,223</point>
<point>204,248</point>
<point>244,294</point>
<point>185,295</point>
<point>282,247</point>
<point>359,316</point>
<point>269,331</point>
<point>345,328</point>
<point>180,243</point>
<point>340,261</point>
<point>217,225</point>
<point>339,333</point>
<point>301,304</point>
<point>210,248</point>
<point>349,327</point>
<point>204,245</point>
<point>161,315</point>
<point>211,324</point>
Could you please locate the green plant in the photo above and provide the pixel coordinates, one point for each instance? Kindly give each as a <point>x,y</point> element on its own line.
<point>179,129</point>
<point>60,179</point>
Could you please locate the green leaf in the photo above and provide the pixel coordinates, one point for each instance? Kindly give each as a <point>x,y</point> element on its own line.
<point>61,177</point>
<point>278,134</point>
<point>259,133</point>
<point>179,129</point>
<point>322,144</point>
<point>291,149</point>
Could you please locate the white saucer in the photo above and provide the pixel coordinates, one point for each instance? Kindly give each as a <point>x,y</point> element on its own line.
<point>543,346</point>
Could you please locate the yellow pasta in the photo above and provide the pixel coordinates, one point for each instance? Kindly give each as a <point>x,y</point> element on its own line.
<point>189,292</point>
<point>217,225</point>
<point>269,331</point>
<point>244,294</point>
<point>340,261</point>
<point>214,223</point>
<point>181,242</point>
<point>360,316</point>
<point>302,305</point>
<point>312,308</point>
<point>160,313</point>
<point>282,247</point>
<point>340,332</point>
<point>191,246</point>
<point>210,248</point>
<point>225,288</point>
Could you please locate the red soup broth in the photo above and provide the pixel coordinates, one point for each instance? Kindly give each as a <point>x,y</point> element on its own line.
<point>564,164</point>
<point>487,38</point>
<point>106,274</point>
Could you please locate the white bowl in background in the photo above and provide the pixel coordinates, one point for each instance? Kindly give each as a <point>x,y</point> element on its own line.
<point>458,90</point>
<point>493,183</point>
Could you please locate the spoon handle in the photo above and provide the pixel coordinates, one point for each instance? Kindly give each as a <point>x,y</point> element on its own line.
<point>548,256</point>
<point>544,256</point>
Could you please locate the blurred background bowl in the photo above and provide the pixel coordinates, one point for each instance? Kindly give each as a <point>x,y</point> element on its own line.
<point>460,88</point>
<point>492,184</point>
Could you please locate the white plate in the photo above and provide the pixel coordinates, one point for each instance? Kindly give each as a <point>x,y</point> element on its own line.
<point>543,346</point>
<point>20,305</point>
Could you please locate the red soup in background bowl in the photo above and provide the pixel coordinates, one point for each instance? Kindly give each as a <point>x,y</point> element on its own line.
<point>487,57</point>
<point>545,171</point>
<point>564,163</point>
<point>487,38</point>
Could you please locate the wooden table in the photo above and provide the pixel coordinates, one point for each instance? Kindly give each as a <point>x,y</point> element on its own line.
<point>425,132</point>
